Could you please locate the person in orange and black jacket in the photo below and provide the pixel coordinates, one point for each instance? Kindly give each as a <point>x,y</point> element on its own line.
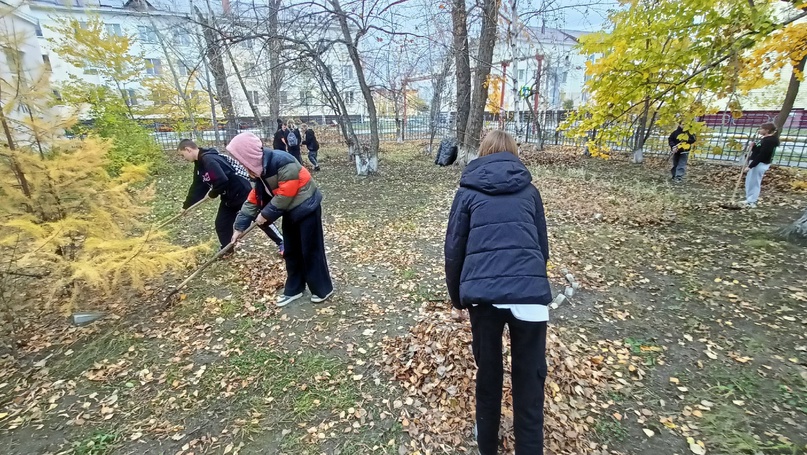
<point>283,187</point>
<point>217,175</point>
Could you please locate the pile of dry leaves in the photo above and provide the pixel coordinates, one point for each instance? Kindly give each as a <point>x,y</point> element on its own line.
<point>434,363</point>
<point>551,155</point>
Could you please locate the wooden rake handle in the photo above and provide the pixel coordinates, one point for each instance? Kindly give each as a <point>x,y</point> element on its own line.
<point>199,270</point>
<point>180,214</point>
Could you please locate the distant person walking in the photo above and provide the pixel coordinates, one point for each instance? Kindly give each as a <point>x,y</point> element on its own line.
<point>680,145</point>
<point>293,140</point>
<point>312,145</point>
<point>279,140</point>
<point>759,162</point>
<point>496,249</point>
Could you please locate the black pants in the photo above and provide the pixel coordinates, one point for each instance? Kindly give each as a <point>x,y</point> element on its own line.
<point>295,152</point>
<point>305,255</point>
<point>528,348</point>
<point>224,224</point>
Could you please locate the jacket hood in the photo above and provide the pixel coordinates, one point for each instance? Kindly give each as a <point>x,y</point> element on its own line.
<point>498,173</point>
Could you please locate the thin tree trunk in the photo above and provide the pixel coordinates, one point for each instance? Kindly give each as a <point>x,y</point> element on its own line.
<point>487,41</point>
<point>175,77</point>
<point>7,129</point>
<point>365,164</point>
<point>437,99</point>
<point>790,96</point>
<point>217,68</point>
<point>275,68</point>
<point>459,19</point>
<point>254,108</point>
<point>639,139</point>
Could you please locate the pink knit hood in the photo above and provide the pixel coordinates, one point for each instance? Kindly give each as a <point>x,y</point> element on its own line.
<point>247,148</point>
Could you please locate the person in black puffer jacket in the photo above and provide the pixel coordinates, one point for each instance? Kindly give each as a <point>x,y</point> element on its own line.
<point>312,145</point>
<point>216,176</point>
<point>496,250</point>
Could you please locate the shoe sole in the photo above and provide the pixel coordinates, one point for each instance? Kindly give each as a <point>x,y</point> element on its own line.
<point>289,300</point>
<point>315,299</point>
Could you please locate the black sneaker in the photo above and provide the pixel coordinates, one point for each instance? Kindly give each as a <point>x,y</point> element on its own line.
<point>316,168</point>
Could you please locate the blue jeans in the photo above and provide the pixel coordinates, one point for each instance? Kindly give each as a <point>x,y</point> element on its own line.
<point>312,157</point>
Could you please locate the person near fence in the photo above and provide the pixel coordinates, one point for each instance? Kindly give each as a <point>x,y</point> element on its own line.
<point>293,140</point>
<point>312,145</point>
<point>496,249</point>
<point>285,188</point>
<point>217,175</point>
<point>680,142</point>
<point>759,162</point>
<point>279,140</point>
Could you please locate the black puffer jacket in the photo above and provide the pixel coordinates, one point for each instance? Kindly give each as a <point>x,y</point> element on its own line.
<point>212,173</point>
<point>496,245</point>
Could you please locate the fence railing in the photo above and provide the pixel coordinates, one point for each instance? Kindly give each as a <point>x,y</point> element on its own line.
<point>723,140</point>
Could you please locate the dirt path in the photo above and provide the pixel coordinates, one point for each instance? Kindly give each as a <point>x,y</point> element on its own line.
<point>710,307</point>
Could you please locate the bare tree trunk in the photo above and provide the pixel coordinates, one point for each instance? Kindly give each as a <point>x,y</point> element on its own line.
<point>797,230</point>
<point>790,96</point>
<point>275,68</point>
<point>459,19</point>
<point>7,129</point>
<point>255,113</point>
<point>365,163</point>
<point>217,68</point>
<point>183,94</point>
<point>487,41</point>
<point>437,98</point>
<point>639,139</point>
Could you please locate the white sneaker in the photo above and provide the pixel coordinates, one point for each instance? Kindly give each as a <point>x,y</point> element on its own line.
<point>287,299</point>
<point>318,299</point>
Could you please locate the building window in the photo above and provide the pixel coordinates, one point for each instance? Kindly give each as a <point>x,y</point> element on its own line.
<point>252,95</point>
<point>114,30</point>
<point>153,67</point>
<point>284,97</point>
<point>183,70</point>
<point>305,97</point>
<point>349,97</point>
<point>131,97</point>
<point>89,68</point>
<point>183,38</point>
<point>147,34</point>
<point>46,61</point>
<point>82,25</point>
<point>521,75</point>
<point>39,29</point>
<point>347,72</point>
<point>14,58</point>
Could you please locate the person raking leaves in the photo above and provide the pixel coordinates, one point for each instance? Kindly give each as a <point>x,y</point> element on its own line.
<point>496,249</point>
<point>217,175</point>
<point>283,187</point>
<point>759,162</point>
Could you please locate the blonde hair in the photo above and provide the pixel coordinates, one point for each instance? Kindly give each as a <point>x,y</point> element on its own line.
<point>498,141</point>
<point>291,125</point>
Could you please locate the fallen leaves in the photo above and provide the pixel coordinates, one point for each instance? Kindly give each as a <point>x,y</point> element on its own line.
<point>433,363</point>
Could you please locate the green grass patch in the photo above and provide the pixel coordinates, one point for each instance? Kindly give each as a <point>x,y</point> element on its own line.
<point>608,430</point>
<point>99,443</point>
<point>727,429</point>
<point>650,351</point>
<point>110,346</point>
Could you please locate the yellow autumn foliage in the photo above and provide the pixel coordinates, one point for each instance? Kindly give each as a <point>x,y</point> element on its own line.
<point>65,217</point>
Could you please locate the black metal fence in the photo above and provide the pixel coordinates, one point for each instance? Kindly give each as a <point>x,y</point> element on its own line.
<point>724,138</point>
